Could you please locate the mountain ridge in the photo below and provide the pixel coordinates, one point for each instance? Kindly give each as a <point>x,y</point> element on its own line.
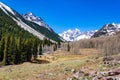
<point>38,20</point>
<point>107,30</point>
<point>76,34</point>
<point>32,27</point>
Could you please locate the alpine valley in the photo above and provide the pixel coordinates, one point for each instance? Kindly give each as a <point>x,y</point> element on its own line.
<point>31,50</point>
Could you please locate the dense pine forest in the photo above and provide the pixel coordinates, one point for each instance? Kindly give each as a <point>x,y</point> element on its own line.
<point>16,44</point>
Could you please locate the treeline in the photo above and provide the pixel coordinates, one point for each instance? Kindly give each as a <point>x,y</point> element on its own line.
<point>109,45</point>
<point>16,44</point>
<point>16,50</point>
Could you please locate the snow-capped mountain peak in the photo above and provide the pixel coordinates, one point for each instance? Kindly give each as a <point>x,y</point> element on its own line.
<point>108,30</point>
<point>31,17</point>
<point>30,14</point>
<point>76,34</point>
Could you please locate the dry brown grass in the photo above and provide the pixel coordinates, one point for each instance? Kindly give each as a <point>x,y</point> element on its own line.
<point>59,69</point>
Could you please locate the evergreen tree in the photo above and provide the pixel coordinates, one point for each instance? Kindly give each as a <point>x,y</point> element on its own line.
<point>35,48</point>
<point>68,47</point>
<point>28,50</point>
<point>55,47</point>
<point>11,48</point>
<point>59,44</point>
<point>40,49</point>
<point>2,43</point>
<point>5,60</point>
<point>19,50</point>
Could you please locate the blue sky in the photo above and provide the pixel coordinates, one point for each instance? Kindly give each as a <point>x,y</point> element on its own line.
<point>69,14</point>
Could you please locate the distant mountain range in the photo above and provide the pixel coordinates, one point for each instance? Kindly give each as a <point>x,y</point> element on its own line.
<point>76,34</point>
<point>31,23</point>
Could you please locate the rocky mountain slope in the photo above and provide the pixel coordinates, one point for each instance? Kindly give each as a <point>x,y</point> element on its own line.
<point>31,17</point>
<point>108,30</point>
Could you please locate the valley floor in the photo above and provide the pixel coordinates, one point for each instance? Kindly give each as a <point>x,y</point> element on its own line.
<point>62,68</point>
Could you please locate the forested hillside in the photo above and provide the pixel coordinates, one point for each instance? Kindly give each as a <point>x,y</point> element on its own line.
<point>16,44</point>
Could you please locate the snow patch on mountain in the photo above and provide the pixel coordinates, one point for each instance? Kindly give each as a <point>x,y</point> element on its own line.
<point>3,6</point>
<point>31,17</point>
<point>76,34</point>
<point>108,30</point>
<point>28,28</point>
